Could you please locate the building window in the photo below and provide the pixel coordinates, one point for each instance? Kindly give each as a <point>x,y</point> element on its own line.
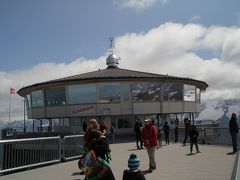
<point>55,96</point>
<point>125,122</point>
<point>172,92</point>
<point>109,93</point>
<point>189,93</point>
<point>28,101</point>
<point>64,122</point>
<point>125,92</point>
<point>198,95</point>
<point>37,98</point>
<point>79,94</point>
<point>146,91</point>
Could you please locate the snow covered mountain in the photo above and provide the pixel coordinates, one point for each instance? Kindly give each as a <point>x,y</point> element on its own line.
<point>220,110</point>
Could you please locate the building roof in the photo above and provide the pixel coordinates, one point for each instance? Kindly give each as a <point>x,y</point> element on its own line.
<point>113,74</point>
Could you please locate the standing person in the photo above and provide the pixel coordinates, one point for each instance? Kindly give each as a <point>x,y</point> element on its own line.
<point>84,126</point>
<point>193,133</point>
<point>233,128</point>
<point>187,125</point>
<point>137,130</point>
<point>160,135</point>
<point>95,163</point>
<point>133,173</point>
<point>103,128</point>
<point>166,130</point>
<point>149,136</point>
<point>112,132</point>
<point>93,132</point>
<point>176,131</point>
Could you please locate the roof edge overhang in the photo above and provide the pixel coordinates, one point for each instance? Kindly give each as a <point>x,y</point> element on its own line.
<point>44,85</point>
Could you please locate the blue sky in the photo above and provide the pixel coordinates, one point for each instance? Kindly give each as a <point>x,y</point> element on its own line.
<point>48,39</point>
<point>58,31</point>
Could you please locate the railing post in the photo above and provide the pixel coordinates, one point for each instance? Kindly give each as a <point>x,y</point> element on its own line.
<point>204,135</point>
<point>62,149</point>
<point>1,156</point>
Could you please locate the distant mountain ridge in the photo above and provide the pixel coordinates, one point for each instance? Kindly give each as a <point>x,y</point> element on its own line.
<point>220,110</point>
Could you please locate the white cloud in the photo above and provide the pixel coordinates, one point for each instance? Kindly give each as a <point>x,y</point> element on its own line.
<point>195,19</point>
<point>139,4</point>
<point>167,49</point>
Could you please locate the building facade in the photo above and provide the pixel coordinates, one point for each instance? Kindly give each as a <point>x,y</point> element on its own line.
<point>113,95</point>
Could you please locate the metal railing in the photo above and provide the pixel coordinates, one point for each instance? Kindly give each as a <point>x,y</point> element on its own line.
<point>210,135</point>
<point>72,147</point>
<point>26,153</point>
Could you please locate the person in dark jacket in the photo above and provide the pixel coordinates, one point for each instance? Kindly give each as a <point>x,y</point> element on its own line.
<point>133,173</point>
<point>137,130</point>
<point>193,134</point>
<point>233,128</point>
<point>166,130</point>
<point>84,126</point>
<point>187,124</point>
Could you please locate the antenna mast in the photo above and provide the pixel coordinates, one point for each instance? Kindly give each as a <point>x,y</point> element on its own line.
<point>111,45</point>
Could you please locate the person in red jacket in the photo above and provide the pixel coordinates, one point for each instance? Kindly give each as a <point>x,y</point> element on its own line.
<point>150,141</point>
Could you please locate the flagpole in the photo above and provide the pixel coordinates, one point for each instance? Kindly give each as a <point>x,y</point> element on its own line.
<point>9,109</point>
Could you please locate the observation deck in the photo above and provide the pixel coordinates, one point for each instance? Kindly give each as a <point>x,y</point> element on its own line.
<point>215,162</point>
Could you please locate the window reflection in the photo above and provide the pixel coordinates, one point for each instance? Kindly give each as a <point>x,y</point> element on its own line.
<point>189,93</point>
<point>146,91</point>
<point>85,93</point>
<point>28,101</point>
<point>37,98</point>
<point>109,93</point>
<point>198,94</point>
<point>125,92</point>
<point>172,92</point>
<point>55,96</point>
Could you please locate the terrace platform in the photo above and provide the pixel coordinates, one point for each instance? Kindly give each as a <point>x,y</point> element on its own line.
<point>173,163</point>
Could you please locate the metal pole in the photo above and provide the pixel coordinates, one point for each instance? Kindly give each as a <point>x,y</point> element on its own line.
<point>24,119</point>
<point>9,109</point>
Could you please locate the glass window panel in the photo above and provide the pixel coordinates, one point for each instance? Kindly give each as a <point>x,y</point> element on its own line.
<point>189,93</point>
<point>146,91</point>
<point>85,93</point>
<point>125,92</point>
<point>125,122</point>
<point>55,96</point>
<point>198,98</point>
<point>37,98</point>
<point>109,92</point>
<point>172,92</point>
<point>28,101</point>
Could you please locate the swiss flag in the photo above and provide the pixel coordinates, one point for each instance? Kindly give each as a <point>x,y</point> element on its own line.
<point>12,91</point>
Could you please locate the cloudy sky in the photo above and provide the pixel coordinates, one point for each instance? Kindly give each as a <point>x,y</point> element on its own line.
<point>44,40</point>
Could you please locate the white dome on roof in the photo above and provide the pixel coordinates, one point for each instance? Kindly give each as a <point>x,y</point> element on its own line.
<point>112,61</point>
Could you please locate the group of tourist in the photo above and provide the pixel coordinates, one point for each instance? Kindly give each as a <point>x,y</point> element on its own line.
<point>95,163</point>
